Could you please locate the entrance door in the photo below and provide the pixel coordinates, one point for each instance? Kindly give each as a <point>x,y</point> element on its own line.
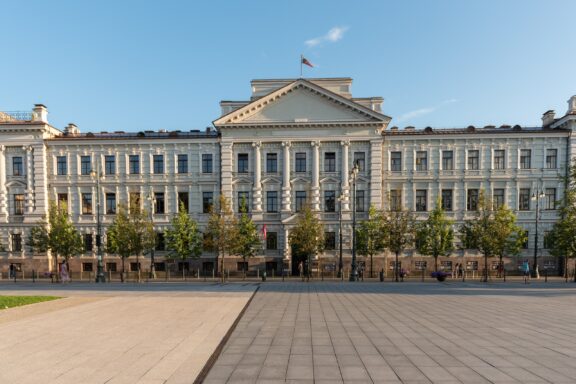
<point>298,257</point>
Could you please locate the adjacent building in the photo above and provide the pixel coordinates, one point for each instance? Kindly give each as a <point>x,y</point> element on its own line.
<point>292,143</point>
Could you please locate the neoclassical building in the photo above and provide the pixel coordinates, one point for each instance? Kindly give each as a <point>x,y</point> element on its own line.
<point>292,143</point>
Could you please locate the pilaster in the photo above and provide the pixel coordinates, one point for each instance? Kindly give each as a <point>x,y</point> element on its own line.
<point>315,175</point>
<point>376,173</point>
<point>286,188</point>
<point>226,166</point>
<point>257,188</point>
<point>29,179</point>
<point>345,188</point>
<point>3,197</point>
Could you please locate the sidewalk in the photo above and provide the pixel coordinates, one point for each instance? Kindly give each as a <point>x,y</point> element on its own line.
<point>403,333</point>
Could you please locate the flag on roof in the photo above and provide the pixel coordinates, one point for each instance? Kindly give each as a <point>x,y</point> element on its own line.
<point>306,62</point>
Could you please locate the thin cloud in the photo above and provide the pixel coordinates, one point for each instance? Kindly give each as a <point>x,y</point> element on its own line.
<point>423,111</point>
<point>335,34</point>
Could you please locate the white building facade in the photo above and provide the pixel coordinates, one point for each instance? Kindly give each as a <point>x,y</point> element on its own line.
<point>293,143</point>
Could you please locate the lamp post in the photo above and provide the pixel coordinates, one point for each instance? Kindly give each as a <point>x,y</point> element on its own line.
<point>152,274</point>
<point>340,263</point>
<point>536,196</point>
<point>353,175</point>
<point>100,268</point>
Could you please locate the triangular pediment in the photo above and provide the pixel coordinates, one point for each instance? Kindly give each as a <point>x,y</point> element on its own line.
<point>301,102</point>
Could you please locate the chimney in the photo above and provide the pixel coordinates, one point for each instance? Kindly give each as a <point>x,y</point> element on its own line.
<point>71,130</point>
<point>40,113</point>
<point>548,118</point>
<point>571,106</point>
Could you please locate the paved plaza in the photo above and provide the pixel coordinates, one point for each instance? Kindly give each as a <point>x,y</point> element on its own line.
<point>404,333</point>
<point>116,334</point>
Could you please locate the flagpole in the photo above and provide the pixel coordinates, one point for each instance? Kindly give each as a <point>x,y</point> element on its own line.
<point>301,59</point>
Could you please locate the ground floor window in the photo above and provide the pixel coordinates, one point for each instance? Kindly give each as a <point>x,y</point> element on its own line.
<point>242,266</point>
<point>135,266</point>
<point>87,267</point>
<point>183,266</point>
<point>160,267</point>
<point>111,267</point>
<point>420,265</point>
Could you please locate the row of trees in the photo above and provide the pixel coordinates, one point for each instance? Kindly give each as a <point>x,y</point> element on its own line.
<point>132,233</point>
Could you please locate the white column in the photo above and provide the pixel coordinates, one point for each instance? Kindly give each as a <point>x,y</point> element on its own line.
<point>3,197</point>
<point>316,176</point>
<point>226,162</point>
<point>376,173</point>
<point>344,176</point>
<point>29,179</point>
<point>257,188</point>
<point>286,246</point>
<point>286,188</point>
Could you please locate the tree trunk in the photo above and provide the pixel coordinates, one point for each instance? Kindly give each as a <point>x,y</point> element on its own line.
<point>57,269</point>
<point>371,265</point>
<point>485,267</point>
<point>123,270</point>
<point>435,263</point>
<point>222,268</point>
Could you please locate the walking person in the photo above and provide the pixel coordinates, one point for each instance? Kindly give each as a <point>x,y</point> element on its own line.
<point>460,270</point>
<point>526,270</point>
<point>301,270</point>
<point>64,273</point>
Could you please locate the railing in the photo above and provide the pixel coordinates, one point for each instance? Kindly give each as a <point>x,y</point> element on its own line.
<point>16,116</point>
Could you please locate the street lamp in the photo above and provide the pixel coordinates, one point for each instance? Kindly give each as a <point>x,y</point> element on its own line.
<point>340,263</point>
<point>536,196</point>
<point>100,268</point>
<point>152,263</point>
<point>353,175</point>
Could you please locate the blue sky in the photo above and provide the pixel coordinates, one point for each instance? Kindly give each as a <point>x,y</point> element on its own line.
<point>137,65</point>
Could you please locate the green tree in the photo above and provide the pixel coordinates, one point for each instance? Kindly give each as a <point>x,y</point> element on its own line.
<point>400,227</point>
<point>130,234</point>
<point>563,234</point>
<point>307,236</point>
<point>56,234</point>
<point>221,234</point>
<point>183,239</point>
<point>435,236</point>
<point>248,240</point>
<point>492,232</point>
<point>371,236</point>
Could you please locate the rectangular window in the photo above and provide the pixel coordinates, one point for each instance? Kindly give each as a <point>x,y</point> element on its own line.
<point>243,201</point>
<point>271,162</point>
<point>447,199</point>
<point>360,160</point>
<point>498,198</point>
<point>421,200</point>
<point>158,164</point>
<point>499,159</point>
<point>551,158</point>
<point>88,243</point>
<point>447,160</point>
<point>241,266</point>
<point>206,163</point>
<point>62,200</point>
<point>524,199</point>
<point>19,204</point>
<point>272,201</point>
<point>134,164</point>
<point>183,201</point>
<point>159,203</point>
<point>421,161</point>
<point>111,267</point>
<point>110,164</point>
<point>207,201</point>
<point>17,166</point>
<point>396,161</point>
<point>110,203</point>
<point>547,240</point>
<point>360,201</point>
<point>135,202</point>
<point>86,203</point>
<point>300,164</point>
<point>474,159</point>
<point>525,158</point>
<point>550,199</point>
<point>160,243</point>
<point>300,200</point>
<point>242,163</point>
<point>330,162</point>
<point>395,199</point>
<point>472,200</point>
<point>271,240</point>
<point>526,237</point>
<point>87,267</point>
<point>329,201</point>
<point>182,163</point>
<point>61,165</point>
<point>16,242</point>
<point>329,240</point>
<point>85,165</point>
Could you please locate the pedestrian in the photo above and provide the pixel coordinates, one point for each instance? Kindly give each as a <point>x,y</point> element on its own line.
<point>526,270</point>
<point>11,271</point>
<point>301,270</point>
<point>455,271</point>
<point>460,270</point>
<point>64,273</point>
<point>537,272</point>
